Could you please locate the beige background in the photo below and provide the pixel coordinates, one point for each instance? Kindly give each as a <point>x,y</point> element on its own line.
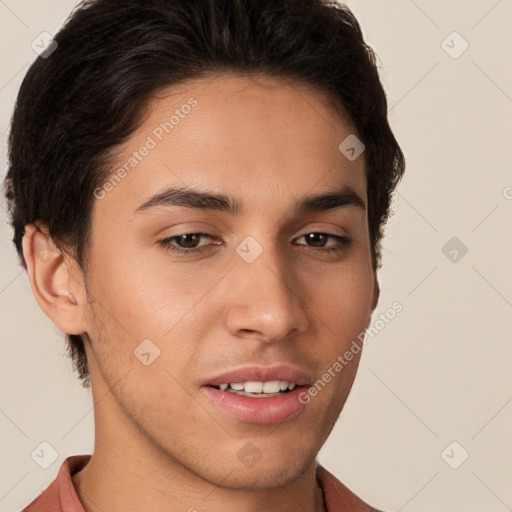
<point>440,371</point>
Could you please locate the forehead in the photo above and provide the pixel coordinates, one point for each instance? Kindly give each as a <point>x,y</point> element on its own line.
<point>255,137</point>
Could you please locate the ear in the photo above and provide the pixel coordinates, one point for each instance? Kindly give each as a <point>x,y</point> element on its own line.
<point>59,293</point>
<point>376,291</point>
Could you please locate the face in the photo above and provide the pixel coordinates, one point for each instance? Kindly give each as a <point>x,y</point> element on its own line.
<point>259,280</point>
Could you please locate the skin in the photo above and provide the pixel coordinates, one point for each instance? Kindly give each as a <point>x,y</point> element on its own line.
<point>268,143</point>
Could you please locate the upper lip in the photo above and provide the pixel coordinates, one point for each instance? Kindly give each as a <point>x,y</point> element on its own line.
<point>261,374</point>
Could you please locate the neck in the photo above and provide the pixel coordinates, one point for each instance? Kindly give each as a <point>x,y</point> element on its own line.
<point>122,484</point>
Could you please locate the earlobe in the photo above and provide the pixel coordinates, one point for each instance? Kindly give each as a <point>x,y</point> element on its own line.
<point>58,293</point>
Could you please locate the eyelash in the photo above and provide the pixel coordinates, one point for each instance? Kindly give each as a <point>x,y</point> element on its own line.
<point>343,241</point>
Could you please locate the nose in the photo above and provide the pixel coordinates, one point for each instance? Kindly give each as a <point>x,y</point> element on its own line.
<point>265,301</point>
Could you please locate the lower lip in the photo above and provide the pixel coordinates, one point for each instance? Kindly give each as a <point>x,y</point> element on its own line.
<point>257,410</point>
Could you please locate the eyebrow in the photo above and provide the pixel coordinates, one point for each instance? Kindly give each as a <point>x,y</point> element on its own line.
<point>190,198</point>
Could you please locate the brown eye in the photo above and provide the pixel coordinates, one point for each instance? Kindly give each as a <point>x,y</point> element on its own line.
<point>187,243</point>
<point>318,240</point>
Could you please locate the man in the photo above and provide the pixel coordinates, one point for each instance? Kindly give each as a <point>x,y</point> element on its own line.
<point>198,191</point>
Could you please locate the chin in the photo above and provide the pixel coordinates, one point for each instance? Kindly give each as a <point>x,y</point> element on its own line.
<point>270,474</point>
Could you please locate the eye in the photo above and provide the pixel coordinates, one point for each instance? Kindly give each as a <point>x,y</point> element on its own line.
<point>188,243</point>
<point>189,240</point>
<point>318,241</point>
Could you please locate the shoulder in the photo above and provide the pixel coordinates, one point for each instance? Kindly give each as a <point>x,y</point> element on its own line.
<point>60,494</point>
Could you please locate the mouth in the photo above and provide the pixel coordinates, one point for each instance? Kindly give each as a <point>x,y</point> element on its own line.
<point>257,394</point>
<point>256,401</point>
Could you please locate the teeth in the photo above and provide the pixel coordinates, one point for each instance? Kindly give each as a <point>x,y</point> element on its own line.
<point>270,387</point>
<point>253,387</point>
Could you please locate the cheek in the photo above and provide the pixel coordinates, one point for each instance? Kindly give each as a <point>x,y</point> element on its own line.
<point>146,297</point>
<point>345,299</point>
